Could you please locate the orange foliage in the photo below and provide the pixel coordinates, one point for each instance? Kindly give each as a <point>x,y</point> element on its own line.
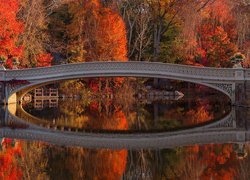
<point>219,10</point>
<point>215,48</point>
<point>109,164</point>
<point>197,116</point>
<point>101,34</point>
<point>111,36</point>
<point>117,121</point>
<point>218,159</point>
<point>43,60</point>
<point>192,63</point>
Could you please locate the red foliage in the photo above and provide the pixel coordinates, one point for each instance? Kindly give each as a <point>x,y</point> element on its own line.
<point>44,60</point>
<point>108,164</point>
<point>216,36</point>
<point>215,48</point>
<point>218,160</point>
<point>9,169</point>
<point>10,30</point>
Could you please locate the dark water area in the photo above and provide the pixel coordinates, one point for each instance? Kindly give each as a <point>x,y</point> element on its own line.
<point>193,157</point>
<point>192,110</point>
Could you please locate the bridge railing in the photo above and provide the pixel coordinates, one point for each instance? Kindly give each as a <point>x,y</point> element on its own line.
<point>119,68</point>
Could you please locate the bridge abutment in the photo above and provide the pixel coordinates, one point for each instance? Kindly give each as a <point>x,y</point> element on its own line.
<point>240,94</point>
<point>12,99</point>
<point>2,93</point>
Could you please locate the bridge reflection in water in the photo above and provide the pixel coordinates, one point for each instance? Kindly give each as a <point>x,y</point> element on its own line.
<point>231,129</point>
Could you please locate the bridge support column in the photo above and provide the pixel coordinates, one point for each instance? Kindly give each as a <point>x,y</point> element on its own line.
<point>240,94</point>
<point>2,115</point>
<point>2,93</point>
<point>239,91</point>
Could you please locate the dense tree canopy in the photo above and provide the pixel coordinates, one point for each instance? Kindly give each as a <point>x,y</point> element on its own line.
<point>10,31</point>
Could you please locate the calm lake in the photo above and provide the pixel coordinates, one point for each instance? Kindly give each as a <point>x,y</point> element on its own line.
<point>27,154</point>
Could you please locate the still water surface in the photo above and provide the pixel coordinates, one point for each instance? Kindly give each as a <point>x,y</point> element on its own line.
<point>155,116</point>
<point>23,159</point>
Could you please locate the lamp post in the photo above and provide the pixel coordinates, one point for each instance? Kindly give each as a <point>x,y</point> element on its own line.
<point>2,78</point>
<point>237,60</point>
<point>15,63</point>
<point>2,61</point>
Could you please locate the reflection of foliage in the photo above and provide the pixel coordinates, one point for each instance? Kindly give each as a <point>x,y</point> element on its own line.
<point>73,113</point>
<point>200,113</point>
<point>9,160</point>
<point>244,165</point>
<point>34,161</point>
<point>169,124</point>
<point>195,162</point>
<point>100,120</point>
<point>78,163</point>
<point>140,164</point>
<point>218,160</point>
<point>23,160</point>
<point>108,164</point>
<point>201,162</point>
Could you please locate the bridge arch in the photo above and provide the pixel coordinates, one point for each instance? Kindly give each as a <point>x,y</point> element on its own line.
<point>222,79</point>
<point>26,88</point>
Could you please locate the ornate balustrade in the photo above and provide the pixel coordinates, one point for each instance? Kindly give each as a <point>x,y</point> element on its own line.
<point>123,68</point>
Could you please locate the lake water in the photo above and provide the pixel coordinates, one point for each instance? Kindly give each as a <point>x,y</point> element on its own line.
<point>190,157</point>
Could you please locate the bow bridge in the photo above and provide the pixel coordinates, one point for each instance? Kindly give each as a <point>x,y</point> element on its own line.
<point>14,83</point>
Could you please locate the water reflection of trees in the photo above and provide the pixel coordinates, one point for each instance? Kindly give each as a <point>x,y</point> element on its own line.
<point>29,160</point>
<point>22,160</point>
<point>78,163</point>
<point>9,155</point>
<point>33,161</point>
<point>111,114</point>
<point>195,162</point>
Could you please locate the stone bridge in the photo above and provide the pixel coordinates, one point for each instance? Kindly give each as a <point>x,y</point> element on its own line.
<point>225,80</point>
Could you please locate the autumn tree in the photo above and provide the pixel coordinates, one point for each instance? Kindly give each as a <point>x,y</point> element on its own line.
<point>10,31</point>
<point>213,34</point>
<point>241,12</point>
<point>97,33</point>
<point>35,38</point>
<point>137,17</point>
